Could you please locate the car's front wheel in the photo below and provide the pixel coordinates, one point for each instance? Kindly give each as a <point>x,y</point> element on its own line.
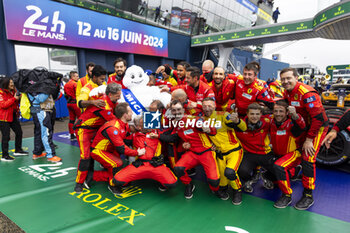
<point>338,152</point>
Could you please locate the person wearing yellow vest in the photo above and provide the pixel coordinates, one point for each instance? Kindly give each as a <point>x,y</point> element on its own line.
<point>229,152</point>
<point>168,78</point>
<point>98,77</point>
<point>84,80</point>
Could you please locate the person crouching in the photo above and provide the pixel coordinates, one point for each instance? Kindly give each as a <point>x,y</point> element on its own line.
<point>151,164</point>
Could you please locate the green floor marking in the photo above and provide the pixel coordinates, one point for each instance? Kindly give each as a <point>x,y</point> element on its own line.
<point>39,201</point>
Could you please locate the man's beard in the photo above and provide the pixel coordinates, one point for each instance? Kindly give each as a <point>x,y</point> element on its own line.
<point>218,83</point>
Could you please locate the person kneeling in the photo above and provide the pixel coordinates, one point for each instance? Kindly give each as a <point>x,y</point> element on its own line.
<point>284,133</point>
<point>108,144</point>
<point>148,166</point>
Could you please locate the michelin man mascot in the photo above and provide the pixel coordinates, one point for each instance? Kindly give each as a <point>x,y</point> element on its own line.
<point>138,95</point>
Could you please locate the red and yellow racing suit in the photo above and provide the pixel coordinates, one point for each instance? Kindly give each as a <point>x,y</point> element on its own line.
<point>146,166</point>
<point>247,94</point>
<point>256,143</point>
<point>81,83</point>
<point>308,104</point>
<point>108,145</point>
<point>286,149</point>
<point>229,152</point>
<point>85,92</point>
<point>199,153</point>
<point>116,79</point>
<point>224,95</point>
<point>86,127</point>
<point>276,90</point>
<point>74,111</point>
<point>196,94</point>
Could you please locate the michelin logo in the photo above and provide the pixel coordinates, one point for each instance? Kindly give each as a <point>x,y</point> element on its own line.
<point>151,120</point>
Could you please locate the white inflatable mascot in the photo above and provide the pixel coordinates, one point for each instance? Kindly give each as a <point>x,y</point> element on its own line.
<point>138,94</point>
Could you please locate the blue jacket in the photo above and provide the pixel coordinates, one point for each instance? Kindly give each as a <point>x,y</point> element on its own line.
<point>275,14</point>
<point>38,99</point>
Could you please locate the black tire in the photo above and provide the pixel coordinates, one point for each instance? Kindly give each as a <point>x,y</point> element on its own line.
<point>339,151</point>
<point>334,114</point>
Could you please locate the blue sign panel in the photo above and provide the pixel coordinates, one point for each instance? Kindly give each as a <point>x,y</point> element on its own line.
<point>50,22</point>
<point>249,5</point>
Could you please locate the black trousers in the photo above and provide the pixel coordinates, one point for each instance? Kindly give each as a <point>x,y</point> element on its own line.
<point>42,143</point>
<point>5,133</point>
<point>250,161</point>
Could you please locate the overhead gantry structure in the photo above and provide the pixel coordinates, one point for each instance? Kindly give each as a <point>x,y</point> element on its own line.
<point>330,23</point>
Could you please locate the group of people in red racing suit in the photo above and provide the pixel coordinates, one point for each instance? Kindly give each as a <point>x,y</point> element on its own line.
<point>231,125</point>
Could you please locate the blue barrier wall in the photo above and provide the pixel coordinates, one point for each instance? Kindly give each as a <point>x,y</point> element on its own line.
<point>61,107</point>
<point>243,56</point>
<point>7,53</point>
<point>179,46</point>
<point>271,68</point>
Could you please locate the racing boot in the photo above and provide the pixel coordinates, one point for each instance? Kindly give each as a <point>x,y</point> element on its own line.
<point>222,193</point>
<point>116,190</point>
<point>78,188</point>
<point>306,200</point>
<point>283,201</point>
<point>189,188</point>
<point>237,197</point>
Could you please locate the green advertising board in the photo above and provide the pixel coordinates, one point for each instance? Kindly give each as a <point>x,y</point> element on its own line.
<point>331,13</point>
<point>330,69</point>
<point>272,30</point>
